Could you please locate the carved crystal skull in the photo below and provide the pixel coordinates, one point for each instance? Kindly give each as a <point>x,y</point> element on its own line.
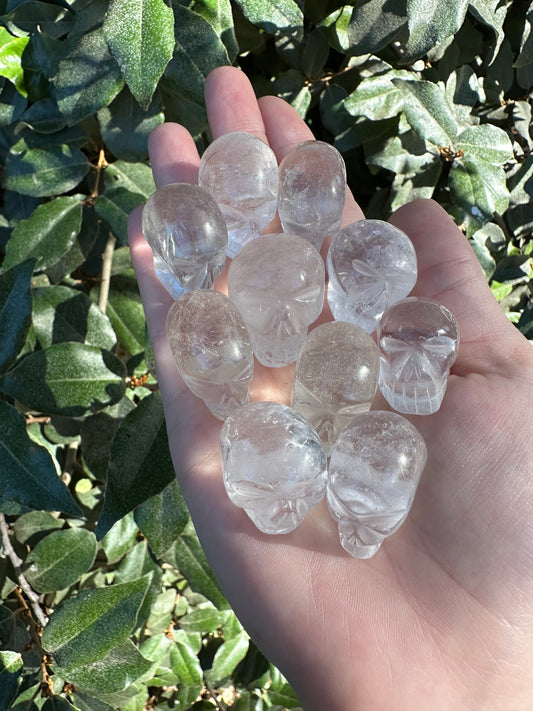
<point>274,466</point>
<point>418,339</point>
<point>183,225</point>
<point>277,283</point>
<point>373,475</point>
<point>336,378</point>
<point>212,349</point>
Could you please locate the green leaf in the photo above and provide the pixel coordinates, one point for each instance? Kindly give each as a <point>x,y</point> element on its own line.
<point>11,668</point>
<point>375,98</point>
<point>140,464</point>
<point>120,539</point>
<point>31,527</point>
<point>120,667</point>
<point>57,703</point>
<point>428,111</point>
<point>133,177</point>
<point>42,172</point>
<point>86,702</point>
<point>11,49</point>
<point>374,24</point>
<point>140,35</point>
<point>47,234</point>
<point>27,472</point>
<point>162,518</point>
<point>125,126</point>
<point>97,432</point>
<point>430,23</point>
<point>87,78</point>
<point>114,206</point>
<point>491,13</point>
<point>60,559</point>
<point>486,143</point>
<point>7,626</point>
<point>227,657</point>
<point>15,311</point>
<point>67,379</point>
<point>524,62</point>
<point>219,15</point>
<point>273,16</point>
<point>83,629</point>
<point>176,661</point>
<point>204,620</point>
<point>140,561</point>
<point>63,314</point>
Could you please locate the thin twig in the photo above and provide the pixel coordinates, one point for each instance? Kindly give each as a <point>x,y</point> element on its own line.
<point>107,261</point>
<point>24,585</point>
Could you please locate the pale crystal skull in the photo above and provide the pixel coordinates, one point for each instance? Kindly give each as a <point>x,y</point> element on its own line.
<point>241,173</point>
<point>336,378</point>
<point>371,265</point>
<point>274,466</point>
<point>212,349</point>
<point>418,340</point>
<point>374,472</point>
<point>277,283</point>
<point>183,225</point>
<point>312,190</point>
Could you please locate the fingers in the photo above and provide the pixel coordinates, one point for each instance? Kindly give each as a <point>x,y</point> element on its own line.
<point>173,155</point>
<point>449,272</point>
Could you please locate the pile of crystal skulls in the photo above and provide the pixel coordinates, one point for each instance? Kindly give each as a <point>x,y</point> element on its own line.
<point>277,283</point>
<point>183,225</point>
<point>374,472</point>
<point>371,265</point>
<point>336,378</point>
<point>241,173</point>
<point>212,349</point>
<point>274,466</point>
<point>312,190</point>
<point>418,340</point>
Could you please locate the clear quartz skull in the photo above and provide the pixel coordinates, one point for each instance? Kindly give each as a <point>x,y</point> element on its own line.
<point>336,378</point>
<point>374,472</point>
<point>277,283</point>
<point>241,172</point>
<point>418,339</point>
<point>371,265</point>
<point>312,190</point>
<point>183,225</point>
<point>212,349</point>
<point>274,466</point>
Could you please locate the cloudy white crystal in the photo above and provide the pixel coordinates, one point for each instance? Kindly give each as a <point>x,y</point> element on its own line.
<point>274,466</point>
<point>241,172</point>
<point>418,340</point>
<point>374,472</point>
<point>312,191</point>
<point>371,265</point>
<point>183,225</point>
<point>336,378</point>
<point>212,349</point>
<point>277,283</point>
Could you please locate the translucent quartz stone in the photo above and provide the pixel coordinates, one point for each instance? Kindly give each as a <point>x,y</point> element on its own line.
<point>274,466</point>
<point>277,283</point>
<point>241,173</point>
<point>371,265</point>
<point>336,378</point>
<point>312,190</point>
<point>186,231</point>
<point>418,340</point>
<point>212,349</point>
<point>374,471</point>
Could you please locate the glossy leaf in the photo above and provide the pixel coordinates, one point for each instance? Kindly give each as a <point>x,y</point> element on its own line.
<point>162,518</point>
<point>28,475</point>
<point>227,657</point>
<point>68,379</point>
<point>431,23</point>
<point>133,177</point>
<point>140,465</point>
<point>428,111</point>
<point>114,206</point>
<point>10,674</point>
<point>60,559</point>
<point>140,35</point>
<point>273,16</point>
<point>219,15</point>
<point>11,49</point>
<point>119,539</point>
<point>42,172</point>
<point>83,629</point>
<point>15,311</point>
<point>87,78</point>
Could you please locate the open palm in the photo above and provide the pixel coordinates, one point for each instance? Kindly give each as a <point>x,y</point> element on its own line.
<point>442,616</point>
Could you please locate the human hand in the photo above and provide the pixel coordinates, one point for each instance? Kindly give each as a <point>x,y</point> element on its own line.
<point>442,616</point>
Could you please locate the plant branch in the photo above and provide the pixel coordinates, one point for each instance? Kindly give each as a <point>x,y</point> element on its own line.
<point>107,260</point>
<point>23,583</point>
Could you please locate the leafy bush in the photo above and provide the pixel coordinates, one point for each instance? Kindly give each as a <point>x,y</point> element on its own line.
<point>108,601</point>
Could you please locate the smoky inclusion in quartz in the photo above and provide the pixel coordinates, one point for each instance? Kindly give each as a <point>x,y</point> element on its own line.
<point>336,378</point>
<point>274,465</point>
<point>241,172</point>
<point>374,472</point>
<point>371,265</point>
<point>183,225</point>
<point>212,349</point>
